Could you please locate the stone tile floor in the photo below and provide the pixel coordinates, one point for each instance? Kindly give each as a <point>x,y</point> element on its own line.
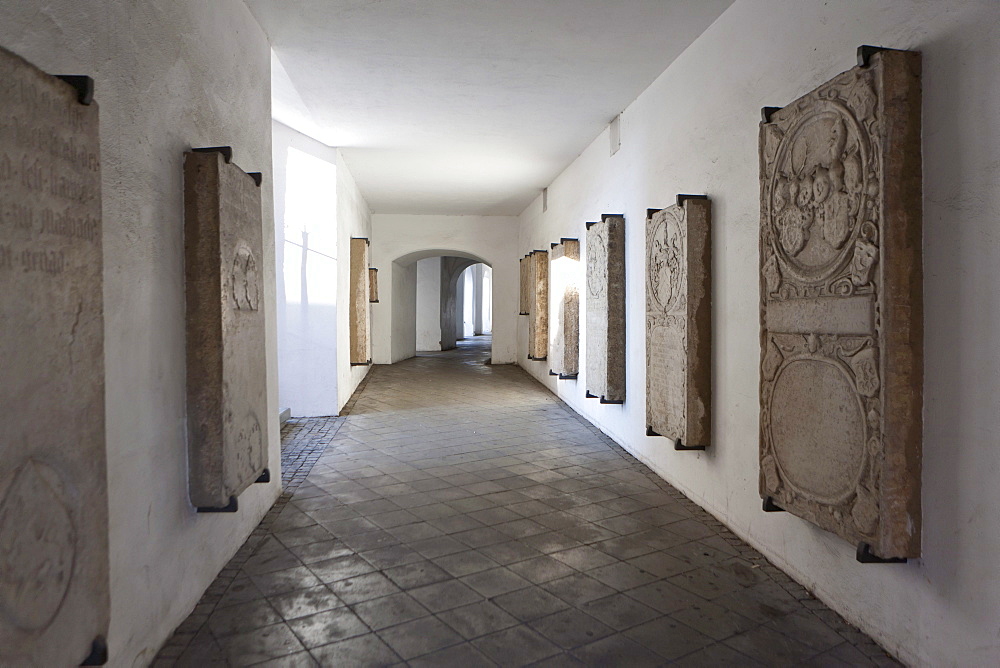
<point>461,515</point>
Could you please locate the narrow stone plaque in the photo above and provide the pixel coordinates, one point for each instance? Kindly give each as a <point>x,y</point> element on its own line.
<point>226,371</point>
<point>841,305</point>
<point>54,597</point>
<point>564,276</point>
<point>606,309</point>
<point>373,285</point>
<point>679,323</point>
<point>524,266</point>
<point>359,320</point>
<point>538,311</point>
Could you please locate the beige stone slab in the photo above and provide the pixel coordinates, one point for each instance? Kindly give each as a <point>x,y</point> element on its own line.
<point>538,308</point>
<point>605,363</point>
<point>679,323</point>
<point>360,318</point>
<point>226,369</point>
<point>564,279</point>
<point>54,597</point>
<point>842,307</point>
<point>524,267</point>
<point>373,285</point>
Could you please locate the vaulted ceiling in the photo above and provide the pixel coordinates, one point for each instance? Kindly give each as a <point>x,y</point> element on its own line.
<point>466,106</point>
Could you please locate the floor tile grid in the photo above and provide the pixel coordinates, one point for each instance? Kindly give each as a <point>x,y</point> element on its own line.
<point>436,556</point>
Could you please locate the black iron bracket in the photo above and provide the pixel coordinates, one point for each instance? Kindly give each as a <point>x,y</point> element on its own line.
<point>523,313</point>
<point>681,198</point>
<point>84,87</point>
<point>226,151</point>
<point>680,447</point>
<point>650,432</point>
<point>866,51</point>
<point>652,212</point>
<point>265,476</point>
<point>552,373</point>
<point>765,113</point>
<point>590,396</point>
<point>616,402</point>
<point>563,240</point>
<point>568,376</point>
<point>231,507</point>
<point>98,653</point>
<point>866,556</point>
<point>605,216</point>
<point>771,507</point>
<point>589,225</point>
<point>258,177</point>
<point>553,244</point>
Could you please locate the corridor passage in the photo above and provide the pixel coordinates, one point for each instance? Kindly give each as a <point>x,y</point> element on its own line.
<point>461,515</point>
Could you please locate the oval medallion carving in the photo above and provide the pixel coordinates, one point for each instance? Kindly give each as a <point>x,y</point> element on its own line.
<point>818,430</point>
<point>664,259</point>
<point>37,548</point>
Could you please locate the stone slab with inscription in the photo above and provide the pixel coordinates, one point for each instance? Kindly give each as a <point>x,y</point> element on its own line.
<point>360,320</point>
<point>841,306</point>
<point>226,371</point>
<point>606,309</point>
<point>564,280</point>
<point>679,322</point>
<point>538,308</point>
<point>373,285</point>
<point>524,268</point>
<point>54,591</point>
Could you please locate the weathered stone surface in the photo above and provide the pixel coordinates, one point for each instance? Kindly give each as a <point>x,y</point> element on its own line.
<point>53,479</point>
<point>524,265</point>
<point>606,309</point>
<point>564,277</point>
<point>538,308</point>
<point>360,320</point>
<point>679,322</point>
<point>226,371</point>
<point>841,305</point>
<point>373,285</point>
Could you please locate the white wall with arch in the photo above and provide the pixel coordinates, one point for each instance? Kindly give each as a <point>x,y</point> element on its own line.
<point>400,240</point>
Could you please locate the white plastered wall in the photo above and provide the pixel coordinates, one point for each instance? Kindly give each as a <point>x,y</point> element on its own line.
<point>306,253</point>
<point>354,219</point>
<point>694,130</point>
<point>169,76</point>
<point>402,239</point>
<point>429,304</point>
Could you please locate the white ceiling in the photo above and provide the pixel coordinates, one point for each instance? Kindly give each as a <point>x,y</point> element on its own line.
<point>466,106</point>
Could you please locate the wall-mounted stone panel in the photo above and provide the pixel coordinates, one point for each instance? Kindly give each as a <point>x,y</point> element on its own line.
<point>226,369</point>
<point>538,309</point>
<point>564,274</point>
<point>679,322</point>
<point>841,305</point>
<point>524,267</point>
<point>54,598</point>
<point>373,285</point>
<point>360,320</point>
<point>605,307</point>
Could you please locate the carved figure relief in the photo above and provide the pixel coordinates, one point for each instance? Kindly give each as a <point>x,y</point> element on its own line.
<point>54,581</point>
<point>678,323</point>
<point>227,383</point>
<point>606,309</point>
<point>841,305</point>
<point>564,282</point>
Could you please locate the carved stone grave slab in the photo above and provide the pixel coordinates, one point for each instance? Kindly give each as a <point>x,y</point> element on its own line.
<point>360,320</point>
<point>564,277</point>
<point>373,285</point>
<point>841,305</point>
<point>679,322</point>
<point>54,598</point>
<point>538,311</point>
<point>606,309</point>
<point>226,372</point>
<point>524,266</point>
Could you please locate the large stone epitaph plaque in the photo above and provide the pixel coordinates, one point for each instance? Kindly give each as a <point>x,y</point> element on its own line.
<point>226,372</point>
<point>360,321</point>
<point>841,305</point>
<point>53,470</point>
<point>538,311</point>
<point>606,309</point>
<point>679,322</point>
<point>525,294</point>
<point>564,278</point>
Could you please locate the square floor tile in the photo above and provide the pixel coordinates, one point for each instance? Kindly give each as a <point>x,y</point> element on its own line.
<point>571,628</point>
<point>478,619</point>
<point>421,636</point>
<point>389,611</point>
<point>516,646</point>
